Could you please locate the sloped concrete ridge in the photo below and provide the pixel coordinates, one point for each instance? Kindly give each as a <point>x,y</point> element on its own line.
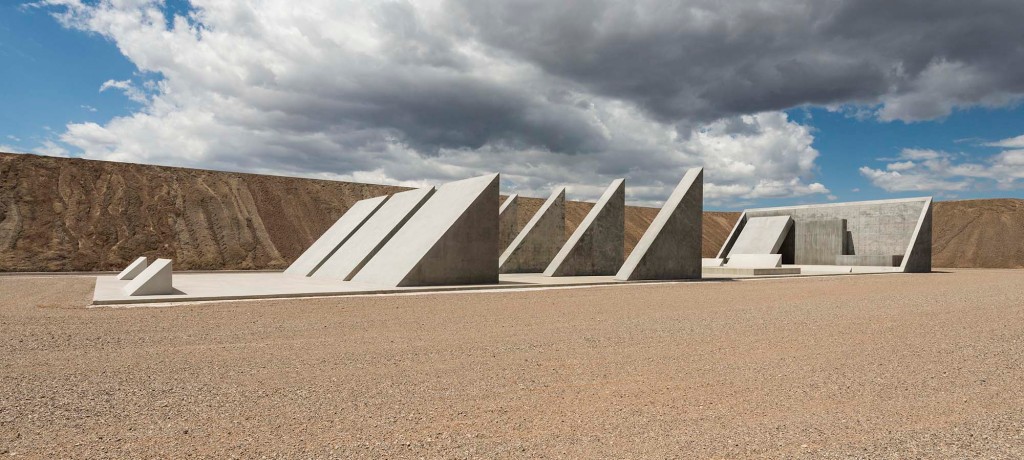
<point>918,258</point>
<point>507,216</point>
<point>762,235</point>
<point>536,246</point>
<point>670,248</point>
<point>451,239</point>
<point>154,280</point>
<point>372,235</point>
<point>133,269</point>
<point>596,247</point>
<point>332,239</point>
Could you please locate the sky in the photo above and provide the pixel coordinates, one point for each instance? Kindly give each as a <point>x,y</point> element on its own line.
<point>781,101</point>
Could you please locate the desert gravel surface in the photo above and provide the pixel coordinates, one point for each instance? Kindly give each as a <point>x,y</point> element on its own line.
<point>876,366</point>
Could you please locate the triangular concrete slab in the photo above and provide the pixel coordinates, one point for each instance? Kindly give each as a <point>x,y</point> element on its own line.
<point>536,246</point>
<point>373,234</point>
<point>671,247</point>
<point>507,216</point>
<point>133,269</point>
<point>762,235</point>
<point>918,258</point>
<point>154,280</point>
<point>332,239</point>
<point>452,239</point>
<point>596,247</point>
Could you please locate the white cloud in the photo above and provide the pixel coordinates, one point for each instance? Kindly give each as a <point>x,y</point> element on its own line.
<point>131,91</point>
<point>1013,142</point>
<point>933,170</point>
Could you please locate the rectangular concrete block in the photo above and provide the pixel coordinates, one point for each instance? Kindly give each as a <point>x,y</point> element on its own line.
<point>762,235</point>
<point>133,269</point>
<point>818,242</point>
<point>711,262</point>
<point>754,260</point>
<point>671,246</point>
<point>325,246</point>
<point>747,271</point>
<point>537,244</point>
<point>373,234</point>
<point>154,280</point>
<point>596,247</point>
<point>869,260</point>
<point>507,216</point>
<point>452,239</point>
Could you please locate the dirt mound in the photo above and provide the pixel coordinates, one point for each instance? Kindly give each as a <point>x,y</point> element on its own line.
<point>60,214</point>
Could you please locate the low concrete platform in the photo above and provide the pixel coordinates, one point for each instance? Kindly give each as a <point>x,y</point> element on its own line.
<point>749,271</point>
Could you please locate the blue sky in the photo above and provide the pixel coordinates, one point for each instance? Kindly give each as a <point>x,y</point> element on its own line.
<point>80,83</point>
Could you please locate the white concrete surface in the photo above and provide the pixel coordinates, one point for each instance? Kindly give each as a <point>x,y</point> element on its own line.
<point>711,262</point>
<point>154,280</point>
<point>354,253</point>
<point>133,269</point>
<point>754,260</point>
<point>762,235</point>
<point>325,246</point>
<point>452,239</point>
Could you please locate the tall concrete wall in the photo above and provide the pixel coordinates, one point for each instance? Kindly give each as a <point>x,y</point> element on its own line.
<point>353,254</point>
<point>818,242</point>
<point>671,246</point>
<point>325,246</point>
<point>884,227</point>
<point>596,247</point>
<point>452,239</point>
<point>539,241</point>
<point>507,217</point>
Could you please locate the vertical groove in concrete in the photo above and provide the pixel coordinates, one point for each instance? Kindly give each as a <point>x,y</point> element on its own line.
<point>671,246</point>
<point>451,239</point>
<point>325,246</point>
<point>539,241</point>
<point>507,221</point>
<point>596,247</point>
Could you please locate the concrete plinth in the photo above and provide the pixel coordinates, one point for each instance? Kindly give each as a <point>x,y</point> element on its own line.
<point>507,216</point>
<point>533,248</point>
<point>671,246</point>
<point>596,247</point>
<point>762,235</point>
<point>133,269</point>
<point>325,246</point>
<point>452,239</point>
<point>378,229</point>
<point>154,280</point>
<point>754,261</point>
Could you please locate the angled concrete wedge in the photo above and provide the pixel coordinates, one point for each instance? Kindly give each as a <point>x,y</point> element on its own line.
<point>328,243</point>
<point>133,269</point>
<point>596,247</point>
<point>154,280</point>
<point>507,216</point>
<point>762,235</point>
<point>536,246</point>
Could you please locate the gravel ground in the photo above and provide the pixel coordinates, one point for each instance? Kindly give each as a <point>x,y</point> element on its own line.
<point>890,366</point>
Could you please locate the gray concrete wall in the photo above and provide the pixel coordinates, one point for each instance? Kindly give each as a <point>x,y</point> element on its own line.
<point>671,246</point>
<point>507,221</point>
<point>818,242</point>
<point>596,247</point>
<point>541,238</point>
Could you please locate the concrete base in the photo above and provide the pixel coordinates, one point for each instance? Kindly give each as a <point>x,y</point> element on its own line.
<point>870,260</point>
<point>749,271</point>
<point>133,269</point>
<point>706,262</point>
<point>754,261</point>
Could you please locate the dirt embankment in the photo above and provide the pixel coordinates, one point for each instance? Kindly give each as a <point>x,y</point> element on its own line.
<point>59,214</point>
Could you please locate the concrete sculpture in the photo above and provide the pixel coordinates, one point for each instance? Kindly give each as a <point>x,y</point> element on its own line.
<point>154,280</point>
<point>596,247</point>
<point>884,233</point>
<point>325,246</point>
<point>539,241</point>
<point>133,269</point>
<point>507,217</point>
<point>452,239</point>
<point>762,235</point>
<point>373,235</point>
<point>671,246</point>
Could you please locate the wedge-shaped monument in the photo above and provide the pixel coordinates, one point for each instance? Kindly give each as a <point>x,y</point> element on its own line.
<point>536,246</point>
<point>507,216</point>
<point>762,235</point>
<point>154,280</point>
<point>596,247</point>
<point>451,239</point>
<point>378,229</point>
<point>325,246</point>
<point>670,248</point>
<point>133,269</point>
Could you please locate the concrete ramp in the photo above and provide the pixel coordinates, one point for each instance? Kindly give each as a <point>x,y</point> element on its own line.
<point>133,269</point>
<point>762,235</point>
<point>671,246</point>
<point>154,280</point>
<point>596,247</point>
<point>373,234</point>
<point>507,216</point>
<point>452,239</point>
<point>536,246</point>
<point>328,243</point>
